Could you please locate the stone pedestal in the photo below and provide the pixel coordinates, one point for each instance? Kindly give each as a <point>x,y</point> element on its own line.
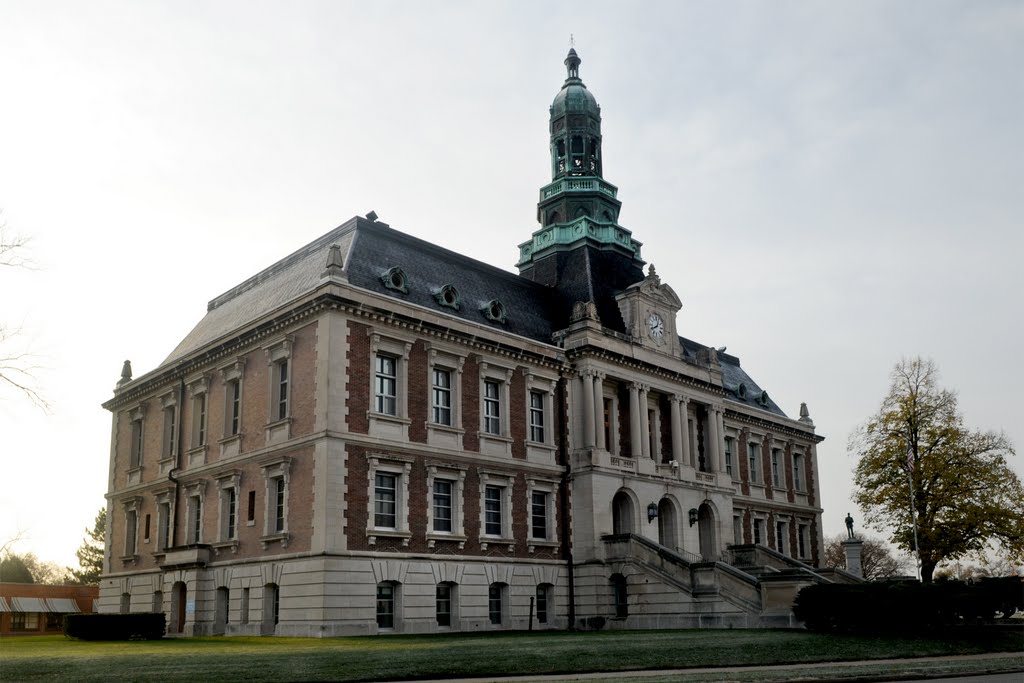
<point>852,547</point>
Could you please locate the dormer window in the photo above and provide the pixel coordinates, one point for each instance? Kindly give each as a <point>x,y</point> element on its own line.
<point>763,398</point>
<point>448,296</point>
<point>494,311</point>
<point>741,390</point>
<point>394,278</point>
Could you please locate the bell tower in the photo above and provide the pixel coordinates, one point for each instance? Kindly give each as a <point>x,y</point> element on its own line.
<point>578,210</point>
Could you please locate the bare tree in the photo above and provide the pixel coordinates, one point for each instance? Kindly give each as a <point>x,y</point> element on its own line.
<point>17,366</point>
<point>877,558</point>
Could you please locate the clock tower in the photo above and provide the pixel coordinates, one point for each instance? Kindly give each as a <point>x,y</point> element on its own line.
<point>649,310</point>
<point>580,249</point>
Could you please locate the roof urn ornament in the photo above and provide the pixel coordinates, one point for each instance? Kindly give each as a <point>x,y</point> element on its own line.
<point>805,415</point>
<point>126,373</point>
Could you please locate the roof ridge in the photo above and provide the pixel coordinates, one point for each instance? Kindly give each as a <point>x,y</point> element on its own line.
<point>282,264</point>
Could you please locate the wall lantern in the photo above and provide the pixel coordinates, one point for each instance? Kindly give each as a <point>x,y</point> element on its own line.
<point>652,512</point>
<point>693,516</point>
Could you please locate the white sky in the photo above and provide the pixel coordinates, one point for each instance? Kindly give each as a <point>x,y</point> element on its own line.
<point>828,185</point>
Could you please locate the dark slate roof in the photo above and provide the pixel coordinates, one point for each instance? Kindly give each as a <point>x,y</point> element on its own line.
<point>368,251</point>
<point>428,268</point>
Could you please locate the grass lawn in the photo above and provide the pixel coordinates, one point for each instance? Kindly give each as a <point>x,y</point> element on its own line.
<point>52,658</point>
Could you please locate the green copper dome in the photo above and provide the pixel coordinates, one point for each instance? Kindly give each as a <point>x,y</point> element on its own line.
<point>574,98</point>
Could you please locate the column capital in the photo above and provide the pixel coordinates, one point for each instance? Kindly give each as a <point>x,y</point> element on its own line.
<point>584,372</point>
<point>681,398</point>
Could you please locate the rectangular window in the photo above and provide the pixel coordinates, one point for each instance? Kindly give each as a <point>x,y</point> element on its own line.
<point>234,390</point>
<point>387,385</point>
<point>494,603</point>
<point>385,490</point>
<point>755,454</point>
<point>199,413</point>
<point>442,396</point>
<point>542,604</point>
<point>492,510</point>
<point>170,431</point>
<point>131,531</point>
<point>798,472</point>
<point>801,539</point>
<point>136,451</point>
<point>282,389</point>
<point>444,604</point>
<point>251,508</point>
<point>780,537</point>
<point>278,490</point>
<point>442,505</point>
<point>145,534</point>
<point>737,530</point>
<point>758,531</point>
<point>728,456</point>
<point>164,525</point>
<point>539,515</point>
<point>196,519</point>
<point>385,605</point>
<point>492,407</point>
<point>776,473</point>
<point>537,416</point>
<point>232,503</point>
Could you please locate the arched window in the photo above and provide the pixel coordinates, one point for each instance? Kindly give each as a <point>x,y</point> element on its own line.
<point>497,603</point>
<point>220,610</point>
<point>387,602</point>
<point>668,529</point>
<point>271,608</point>
<point>179,595</point>
<point>544,602</point>
<point>620,597</point>
<point>446,604</point>
<point>622,513</point>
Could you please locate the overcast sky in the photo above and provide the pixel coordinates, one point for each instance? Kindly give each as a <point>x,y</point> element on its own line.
<point>828,186</point>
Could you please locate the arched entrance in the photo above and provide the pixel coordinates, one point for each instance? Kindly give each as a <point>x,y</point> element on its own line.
<point>668,527</point>
<point>622,514</point>
<point>706,532</point>
<point>220,611</point>
<point>179,597</point>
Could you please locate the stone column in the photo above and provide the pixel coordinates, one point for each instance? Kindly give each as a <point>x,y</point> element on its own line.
<point>684,420</point>
<point>712,447</point>
<point>634,420</point>
<point>677,430</point>
<point>587,388</point>
<point>645,424</point>
<point>599,410</point>
<point>720,443</point>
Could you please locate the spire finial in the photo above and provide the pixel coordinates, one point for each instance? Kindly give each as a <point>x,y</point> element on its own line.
<point>572,41</point>
<point>126,373</point>
<point>572,63</point>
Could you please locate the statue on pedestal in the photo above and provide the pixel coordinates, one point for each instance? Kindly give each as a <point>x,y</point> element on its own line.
<point>849,526</point>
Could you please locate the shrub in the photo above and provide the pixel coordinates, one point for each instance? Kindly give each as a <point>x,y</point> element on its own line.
<point>134,626</point>
<point>906,605</point>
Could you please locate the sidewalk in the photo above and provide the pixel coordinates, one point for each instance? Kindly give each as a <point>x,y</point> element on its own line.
<point>865,670</point>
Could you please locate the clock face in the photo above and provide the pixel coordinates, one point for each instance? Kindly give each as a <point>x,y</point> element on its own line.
<point>656,325</point>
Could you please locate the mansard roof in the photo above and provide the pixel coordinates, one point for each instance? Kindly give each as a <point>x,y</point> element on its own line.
<point>371,250</point>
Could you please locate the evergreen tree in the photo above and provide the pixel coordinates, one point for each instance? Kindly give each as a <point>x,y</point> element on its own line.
<point>90,553</point>
<point>14,570</point>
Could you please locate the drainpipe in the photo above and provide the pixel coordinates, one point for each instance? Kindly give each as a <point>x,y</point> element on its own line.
<point>177,462</point>
<point>566,530</point>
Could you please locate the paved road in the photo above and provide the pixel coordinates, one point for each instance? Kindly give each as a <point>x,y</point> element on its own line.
<point>990,678</point>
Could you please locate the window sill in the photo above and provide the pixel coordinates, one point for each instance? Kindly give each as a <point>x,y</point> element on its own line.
<point>487,541</point>
<point>135,475</point>
<point>230,445</point>
<point>445,428</point>
<point>221,545</point>
<point>384,417</point>
<point>540,444</point>
<point>129,559</point>
<point>435,536</point>
<point>373,534</point>
<point>273,538</point>
<point>494,437</point>
<point>541,543</point>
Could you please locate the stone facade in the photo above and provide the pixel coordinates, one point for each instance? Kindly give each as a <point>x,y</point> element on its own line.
<point>378,435</point>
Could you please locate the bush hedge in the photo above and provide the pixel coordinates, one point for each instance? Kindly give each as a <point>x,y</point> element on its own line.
<point>901,605</point>
<point>133,626</point>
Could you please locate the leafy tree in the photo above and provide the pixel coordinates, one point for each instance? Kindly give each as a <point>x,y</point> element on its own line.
<point>44,571</point>
<point>90,553</point>
<point>877,559</point>
<point>964,493</point>
<point>14,570</point>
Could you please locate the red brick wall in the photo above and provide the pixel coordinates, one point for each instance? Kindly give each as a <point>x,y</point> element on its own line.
<point>358,380</point>
<point>419,392</point>
<point>471,403</point>
<point>517,413</point>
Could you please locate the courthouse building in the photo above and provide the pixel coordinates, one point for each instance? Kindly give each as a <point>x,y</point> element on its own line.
<point>376,434</point>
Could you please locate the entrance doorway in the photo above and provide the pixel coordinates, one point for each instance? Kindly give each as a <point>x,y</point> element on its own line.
<point>179,597</point>
<point>622,513</point>
<point>706,532</point>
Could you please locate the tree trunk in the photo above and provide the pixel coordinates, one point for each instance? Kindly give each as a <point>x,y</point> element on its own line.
<point>927,569</point>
